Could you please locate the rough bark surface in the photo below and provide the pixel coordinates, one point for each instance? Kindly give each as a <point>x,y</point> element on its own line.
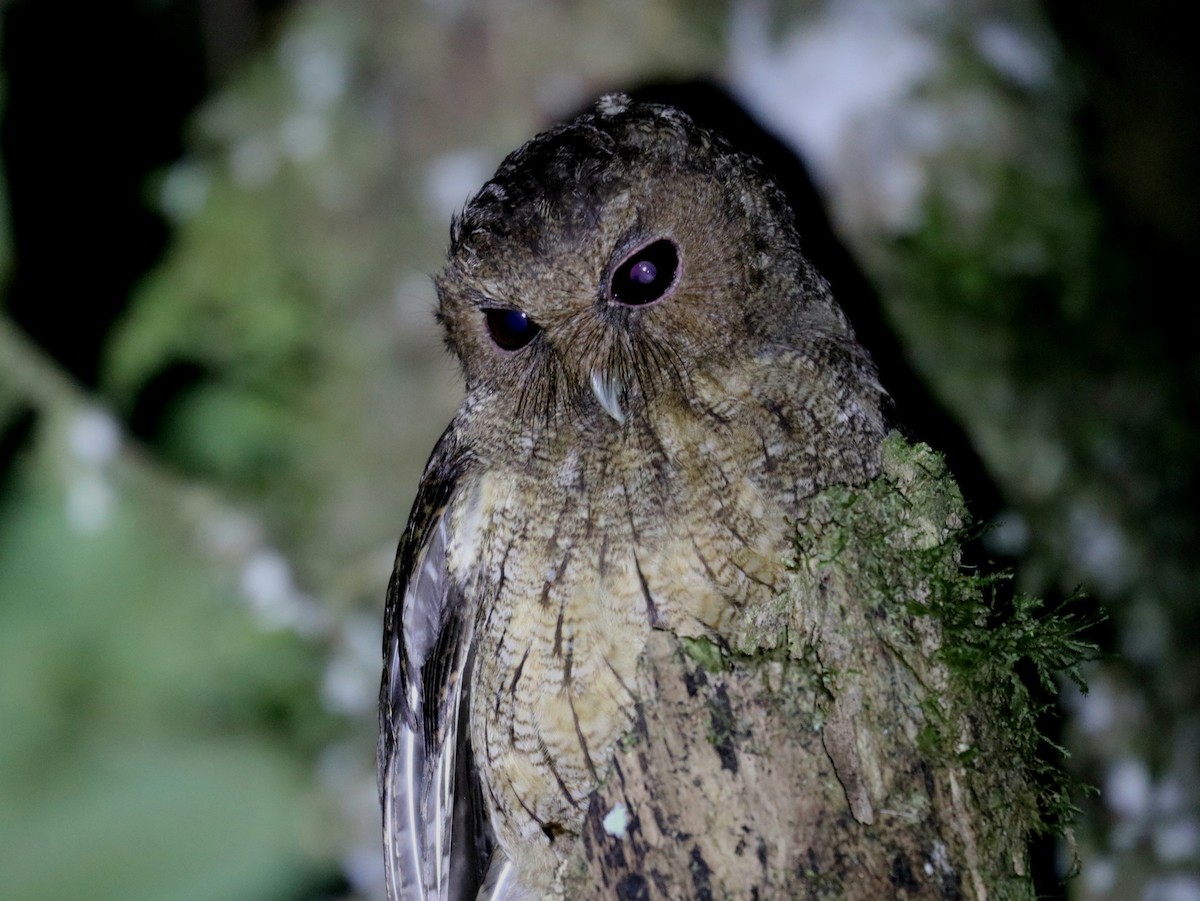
<point>824,750</point>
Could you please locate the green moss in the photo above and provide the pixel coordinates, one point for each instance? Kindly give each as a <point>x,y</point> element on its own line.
<point>1003,654</point>
<point>898,542</point>
<point>705,652</point>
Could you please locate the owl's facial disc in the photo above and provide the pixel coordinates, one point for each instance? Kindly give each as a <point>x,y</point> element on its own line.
<point>646,276</point>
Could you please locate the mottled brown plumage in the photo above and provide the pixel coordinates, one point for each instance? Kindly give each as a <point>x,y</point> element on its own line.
<point>656,380</point>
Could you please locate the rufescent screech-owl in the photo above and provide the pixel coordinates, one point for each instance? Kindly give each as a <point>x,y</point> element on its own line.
<point>656,380</point>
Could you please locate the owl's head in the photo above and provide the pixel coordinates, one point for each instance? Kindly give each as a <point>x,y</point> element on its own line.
<point>612,258</point>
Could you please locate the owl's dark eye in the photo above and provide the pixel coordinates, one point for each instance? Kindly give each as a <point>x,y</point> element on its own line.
<point>649,274</point>
<point>510,329</point>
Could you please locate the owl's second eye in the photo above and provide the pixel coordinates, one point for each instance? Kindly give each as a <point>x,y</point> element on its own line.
<point>647,275</point>
<point>510,329</point>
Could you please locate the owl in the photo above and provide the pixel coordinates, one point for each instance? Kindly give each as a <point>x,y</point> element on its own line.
<point>656,381</point>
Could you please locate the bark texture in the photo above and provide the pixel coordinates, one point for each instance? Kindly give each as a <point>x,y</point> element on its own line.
<point>827,747</point>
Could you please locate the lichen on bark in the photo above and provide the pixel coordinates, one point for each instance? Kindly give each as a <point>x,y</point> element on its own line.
<point>861,735</point>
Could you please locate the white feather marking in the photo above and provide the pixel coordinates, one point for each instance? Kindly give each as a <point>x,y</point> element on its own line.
<point>463,552</point>
<point>414,840</point>
<point>617,821</point>
<point>499,884</point>
<point>608,393</point>
<point>403,864</point>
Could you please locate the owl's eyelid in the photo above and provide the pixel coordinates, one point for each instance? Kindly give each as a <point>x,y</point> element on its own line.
<point>634,239</point>
<point>481,301</point>
<point>493,307</point>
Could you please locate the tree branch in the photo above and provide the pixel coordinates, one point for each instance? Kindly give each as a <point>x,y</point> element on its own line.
<point>831,750</point>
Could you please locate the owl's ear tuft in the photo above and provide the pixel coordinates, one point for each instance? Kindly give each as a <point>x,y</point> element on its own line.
<point>613,104</point>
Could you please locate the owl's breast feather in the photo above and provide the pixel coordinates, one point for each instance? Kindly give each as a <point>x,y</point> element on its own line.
<point>677,519</point>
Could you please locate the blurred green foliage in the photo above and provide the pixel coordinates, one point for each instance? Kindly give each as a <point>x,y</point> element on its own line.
<point>156,744</point>
<point>189,667</point>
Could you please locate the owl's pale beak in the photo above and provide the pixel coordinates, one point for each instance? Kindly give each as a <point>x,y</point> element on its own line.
<point>608,393</point>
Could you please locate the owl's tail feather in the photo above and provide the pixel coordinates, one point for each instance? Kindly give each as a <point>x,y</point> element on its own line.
<point>403,829</point>
<point>423,860</point>
<point>501,884</point>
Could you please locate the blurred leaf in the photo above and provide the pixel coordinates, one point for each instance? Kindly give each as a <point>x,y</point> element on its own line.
<point>164,746</point>
<point>229,295</point>
<point>221,431</point>
<point>153,820</point>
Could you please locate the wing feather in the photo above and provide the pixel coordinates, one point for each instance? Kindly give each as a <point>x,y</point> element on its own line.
<point>435,838</point>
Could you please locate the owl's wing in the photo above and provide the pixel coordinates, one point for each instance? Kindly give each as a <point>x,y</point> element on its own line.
<point>436,839</point>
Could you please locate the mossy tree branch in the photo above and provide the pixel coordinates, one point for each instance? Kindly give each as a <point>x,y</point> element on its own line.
<point>862,736</point>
